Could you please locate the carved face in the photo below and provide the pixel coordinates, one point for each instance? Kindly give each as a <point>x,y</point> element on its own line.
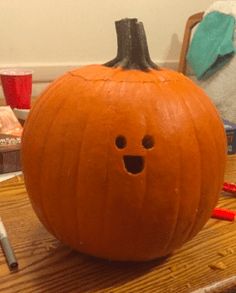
<point>134,164</point>
<point>123,140</point>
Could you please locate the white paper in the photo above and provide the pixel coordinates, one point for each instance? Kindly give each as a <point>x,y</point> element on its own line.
<point>3,233</point>
<point>7,176</point>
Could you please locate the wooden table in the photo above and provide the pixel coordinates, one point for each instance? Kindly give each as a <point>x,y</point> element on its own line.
<point>48,266</point>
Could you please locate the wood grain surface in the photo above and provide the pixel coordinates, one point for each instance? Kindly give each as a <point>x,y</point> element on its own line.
<point>45,265</point>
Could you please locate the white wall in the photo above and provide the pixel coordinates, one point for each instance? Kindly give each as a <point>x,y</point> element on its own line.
<point>53,35</point>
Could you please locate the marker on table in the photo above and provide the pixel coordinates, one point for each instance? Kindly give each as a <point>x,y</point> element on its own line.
<point>7,249</point>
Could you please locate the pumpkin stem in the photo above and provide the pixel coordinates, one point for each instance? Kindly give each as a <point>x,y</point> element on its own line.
<point>132,52</point>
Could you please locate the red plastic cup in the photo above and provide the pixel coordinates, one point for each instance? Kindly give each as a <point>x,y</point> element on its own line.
<point>17,87</point>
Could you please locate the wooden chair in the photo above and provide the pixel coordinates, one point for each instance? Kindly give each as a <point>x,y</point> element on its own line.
<point>192,21</point>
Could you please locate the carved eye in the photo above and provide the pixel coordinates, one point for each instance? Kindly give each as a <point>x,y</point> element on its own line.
<point>148,142</point>
<point>121,142</point>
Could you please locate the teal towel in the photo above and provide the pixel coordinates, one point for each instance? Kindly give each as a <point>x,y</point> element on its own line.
<point>212,44</point>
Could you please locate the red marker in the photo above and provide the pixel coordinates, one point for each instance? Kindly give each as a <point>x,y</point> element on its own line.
<point>223,214</point>
<point>229,187</point>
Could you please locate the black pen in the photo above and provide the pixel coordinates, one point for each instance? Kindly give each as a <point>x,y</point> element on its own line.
<point>7,249</point>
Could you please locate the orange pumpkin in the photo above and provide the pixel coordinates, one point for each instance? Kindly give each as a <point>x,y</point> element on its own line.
<point>125,160</point>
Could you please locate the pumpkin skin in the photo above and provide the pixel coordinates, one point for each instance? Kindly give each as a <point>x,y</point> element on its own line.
<point>76,175</point>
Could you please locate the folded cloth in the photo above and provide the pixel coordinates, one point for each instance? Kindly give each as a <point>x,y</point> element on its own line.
<point>223,6</point>
<point>212,44</point>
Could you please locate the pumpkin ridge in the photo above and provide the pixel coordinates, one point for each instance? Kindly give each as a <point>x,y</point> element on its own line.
<point>41,166</point>
<point>104,222</point>
<point>145,195</point>
<point>78,238</point>
<point>103,225</point>
<point>77,193</point>
<point>178,185</point>
<point>33,119</point>
<point>72,208</point>
<point>172,242</point>
<point>217,151</point>
<point>191,230</point>
<point>203,106</point>
<point>200,168</point>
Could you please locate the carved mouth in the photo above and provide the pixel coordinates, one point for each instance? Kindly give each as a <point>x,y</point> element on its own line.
<point>134,164</point>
